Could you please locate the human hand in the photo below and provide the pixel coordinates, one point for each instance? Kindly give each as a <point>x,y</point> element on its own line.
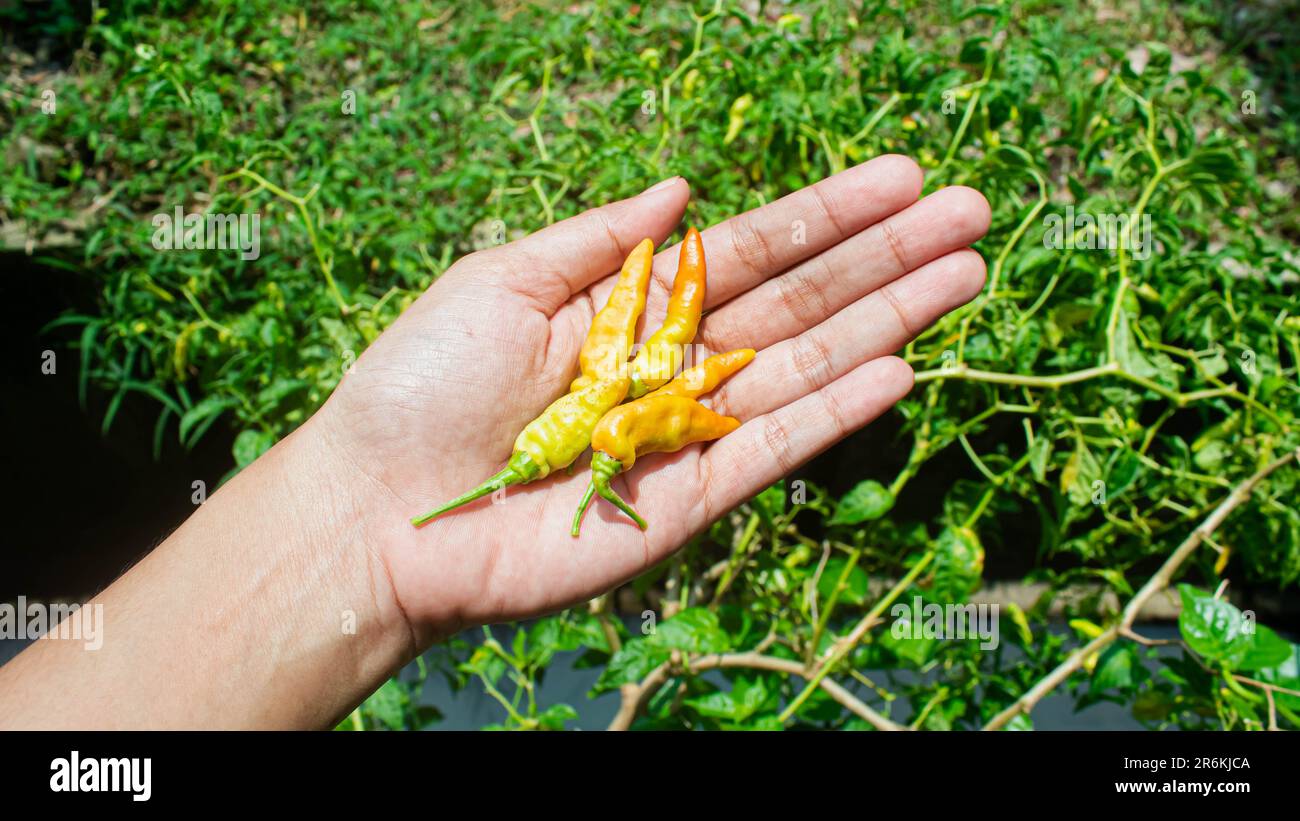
<point>433,406</point>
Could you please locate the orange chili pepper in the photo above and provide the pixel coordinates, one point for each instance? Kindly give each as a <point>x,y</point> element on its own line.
<point>663,352</point>
<point>661,422</point>
<point>704,377</point>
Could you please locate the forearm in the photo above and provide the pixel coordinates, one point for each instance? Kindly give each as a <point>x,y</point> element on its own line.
<point>269,607</point>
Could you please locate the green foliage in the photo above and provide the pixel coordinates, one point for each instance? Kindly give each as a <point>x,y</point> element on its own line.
<point>395,706</point>
<point>1221,646</point>
<point>1090,407</point>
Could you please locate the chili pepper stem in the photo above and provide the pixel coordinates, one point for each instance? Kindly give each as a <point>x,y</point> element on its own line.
<point>603,468</point>
<point>518,471</point>
<point>607,493</point>
<point>504,478</point>
<point>582,509</point>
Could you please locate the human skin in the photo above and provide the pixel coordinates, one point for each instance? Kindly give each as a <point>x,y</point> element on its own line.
<point>299,586</point>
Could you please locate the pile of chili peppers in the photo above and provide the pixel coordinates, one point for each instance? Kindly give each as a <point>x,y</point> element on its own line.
<point>663,414</point>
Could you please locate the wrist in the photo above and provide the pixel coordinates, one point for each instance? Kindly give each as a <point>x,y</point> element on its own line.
<point>429,580</point>
<point>341,518</point>
<point>267,608</point>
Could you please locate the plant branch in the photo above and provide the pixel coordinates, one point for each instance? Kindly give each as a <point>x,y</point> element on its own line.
<point>635,696</point>
<point>1158,582</point>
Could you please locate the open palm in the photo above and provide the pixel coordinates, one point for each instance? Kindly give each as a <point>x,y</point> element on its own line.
<point>825,284</point>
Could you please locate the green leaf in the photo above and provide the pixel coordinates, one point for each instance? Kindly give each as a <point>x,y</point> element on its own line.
<point>553,717</point>
<point>87,348</point>
<point>546,632</point>
<point>1123,471</point>
<point>1089,630</point>
<point>1158,61</point>
<point>633,662</point>
<point>1213,628</point>
<point>693,630</point>
<point>269,397</point>
<point>1020,724</point>
<point>750,694</point>
<point>1021,621</point>
<point>388,704</point>
<point>914,650</point>
<point>855,586</point>
<point>973,50</point>
<point>209,408</point>
<point>111,413</point>
<point>155,392</point>
<point>868,500</point>
<point>251,444</point>
<point>958,564</point>
<point>819,708</point>
<point>986,10</point>
<point>771,502</point>
<point>766,723</point>
<point>485,662</point>
<point>585,630</point>
<point>1211,455</point>
<point>1267,649</point>
<point>1157,367</point>
<point>1040,454</point>
<point>1286,674</point>
<point>1216,364</point>
<point>1114,669</point>
<point>714,705</point>
<point>1079,475</point>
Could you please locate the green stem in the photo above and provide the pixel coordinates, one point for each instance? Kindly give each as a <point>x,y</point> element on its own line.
<point>831,602</point>
<point>737,559</point>
<point>970,110</point>
<point>871,123</point>
<point>846,645</point>
<point>520,470</point>
<point>604,468</point>
<point>582,509</point>
<point>700,23</point>
<point>995,277</point>
<point>1026,380</point>
<point>326,266</point>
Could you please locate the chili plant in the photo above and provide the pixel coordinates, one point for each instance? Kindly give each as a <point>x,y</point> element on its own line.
<point>1118,406</point>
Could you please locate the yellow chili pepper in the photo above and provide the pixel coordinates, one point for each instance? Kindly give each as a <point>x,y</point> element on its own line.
<point>609,341</point>
<point>663,352</point>
<point>559,436</point>
<point>661,422</point>
<point>562,432</point>
<point>736,117</point>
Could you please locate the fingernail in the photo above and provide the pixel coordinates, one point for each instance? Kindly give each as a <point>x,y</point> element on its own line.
<point>659,186</point>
